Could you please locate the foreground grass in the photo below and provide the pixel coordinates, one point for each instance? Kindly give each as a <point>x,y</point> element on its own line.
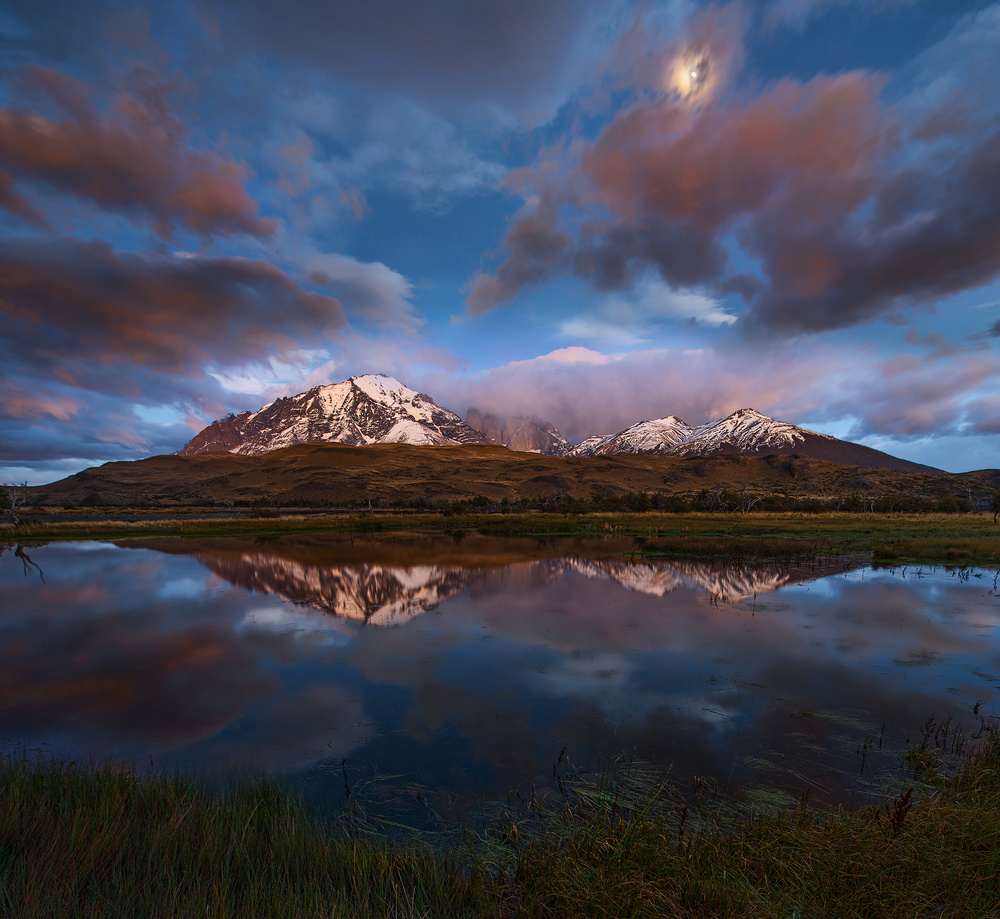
<point>962,539</point>
<point>102,842</point>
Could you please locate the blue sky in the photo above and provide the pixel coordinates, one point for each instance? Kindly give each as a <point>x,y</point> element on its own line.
<point>596,212</point>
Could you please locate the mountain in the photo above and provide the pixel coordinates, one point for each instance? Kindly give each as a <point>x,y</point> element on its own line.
<point>527,435</point>
<point>368,409</point>
<point>377,409</point>
<point>662,435</point>
<point>745,432</point>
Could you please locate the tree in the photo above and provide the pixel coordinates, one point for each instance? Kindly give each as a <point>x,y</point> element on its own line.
<point>12,500</point>
<point>995,505</point>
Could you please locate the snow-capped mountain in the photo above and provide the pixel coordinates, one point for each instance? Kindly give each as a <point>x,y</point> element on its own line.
<point>367,409</point>
<point>662,435</point>
<point>745,432</point>
<point>377,409</point>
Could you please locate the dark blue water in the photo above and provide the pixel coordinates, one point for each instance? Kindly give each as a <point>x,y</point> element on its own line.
<point>452,672</point>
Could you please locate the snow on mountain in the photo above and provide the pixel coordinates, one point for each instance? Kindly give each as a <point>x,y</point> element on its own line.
<point>744,431</point>
<point>661,435</point>
<point>367,409</point>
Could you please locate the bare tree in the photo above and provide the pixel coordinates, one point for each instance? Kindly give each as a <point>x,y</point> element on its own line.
<point>12,499</point>
<point>748,501</point>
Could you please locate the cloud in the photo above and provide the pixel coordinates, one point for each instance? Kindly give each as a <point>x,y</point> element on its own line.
<point>848,209</point>
<point>627,318</point>
<point>64,300</point>
<point>370,291</point>
<point>11,201</point>
<point>406,149</point>
<point>912,395</point>
<point>584,392</point>
<point>132,159</point>
<point>984,415</point>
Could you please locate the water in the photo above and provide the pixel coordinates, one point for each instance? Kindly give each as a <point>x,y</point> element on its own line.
<point>446,671</point>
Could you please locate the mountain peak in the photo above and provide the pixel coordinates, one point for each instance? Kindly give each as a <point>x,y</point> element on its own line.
<point>366,409</point>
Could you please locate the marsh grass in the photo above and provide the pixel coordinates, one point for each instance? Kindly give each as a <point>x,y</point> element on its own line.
<point>101,841</point>
<point>889,539</point>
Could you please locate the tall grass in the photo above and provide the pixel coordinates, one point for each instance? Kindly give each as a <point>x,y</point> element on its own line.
<point>102,842</point>
<point>945,538</point>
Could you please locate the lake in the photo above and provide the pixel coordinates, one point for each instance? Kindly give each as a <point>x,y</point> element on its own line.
<point>438,672</point>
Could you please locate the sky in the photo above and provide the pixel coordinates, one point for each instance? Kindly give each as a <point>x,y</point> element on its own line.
<point>592,211</point>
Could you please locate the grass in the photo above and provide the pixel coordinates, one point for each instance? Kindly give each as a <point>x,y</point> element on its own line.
<point>100,841</point>
<point>963,539</point>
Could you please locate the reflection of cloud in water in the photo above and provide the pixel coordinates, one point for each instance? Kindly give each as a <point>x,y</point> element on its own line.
<point>526,656</point>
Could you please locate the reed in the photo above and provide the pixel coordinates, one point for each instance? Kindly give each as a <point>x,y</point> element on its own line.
<point>102,841</point>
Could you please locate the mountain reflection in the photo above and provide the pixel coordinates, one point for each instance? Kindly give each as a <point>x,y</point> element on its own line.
<point>381,593</point>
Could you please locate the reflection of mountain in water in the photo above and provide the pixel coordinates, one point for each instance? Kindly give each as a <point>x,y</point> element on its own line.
<point>387,595</point>
<point>728,583</point>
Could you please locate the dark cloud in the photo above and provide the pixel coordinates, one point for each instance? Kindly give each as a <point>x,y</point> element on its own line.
<point>105,414</point>
<point>89,436</point>
<point>133,158</point>
<point>514,54</point>
<point>534,249</point>
<point>65,300</point>
<point>932,235</point>
<point>11,201</point>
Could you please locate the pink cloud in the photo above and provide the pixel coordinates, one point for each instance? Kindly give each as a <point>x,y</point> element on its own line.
<point>67,304</point>
<point>133,158</point>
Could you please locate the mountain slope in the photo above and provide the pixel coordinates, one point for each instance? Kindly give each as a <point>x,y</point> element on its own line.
<point>367,409</point>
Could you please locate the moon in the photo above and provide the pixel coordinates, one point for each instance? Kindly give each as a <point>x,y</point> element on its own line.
<point>689,74</point>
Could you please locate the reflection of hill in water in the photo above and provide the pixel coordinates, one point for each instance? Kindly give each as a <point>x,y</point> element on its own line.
<point>386,595</point>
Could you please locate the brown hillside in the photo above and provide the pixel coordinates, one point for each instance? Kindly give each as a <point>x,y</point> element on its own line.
<point>337,475</point>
